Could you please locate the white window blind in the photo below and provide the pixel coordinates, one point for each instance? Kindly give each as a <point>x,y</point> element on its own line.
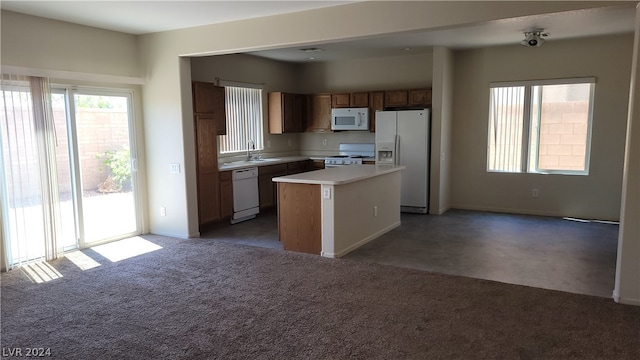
<point>541,126</point>
<point>244,120</point>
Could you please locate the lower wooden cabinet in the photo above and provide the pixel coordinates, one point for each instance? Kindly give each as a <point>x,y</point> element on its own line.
<point>318,164</point>
<point>226,194</point>
<point>267,188</point>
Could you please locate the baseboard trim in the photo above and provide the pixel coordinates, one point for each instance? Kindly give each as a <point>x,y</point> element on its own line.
<point>625,301</point>
<point>361,242</point>
<point>519,211</point>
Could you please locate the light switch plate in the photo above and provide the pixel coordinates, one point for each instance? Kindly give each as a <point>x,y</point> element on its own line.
<point>174,168</point>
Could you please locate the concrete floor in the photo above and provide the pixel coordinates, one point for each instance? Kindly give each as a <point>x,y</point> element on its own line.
<point>536,251</point>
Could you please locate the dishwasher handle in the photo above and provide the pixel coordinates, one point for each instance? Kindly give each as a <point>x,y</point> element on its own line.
<point>244,173</point>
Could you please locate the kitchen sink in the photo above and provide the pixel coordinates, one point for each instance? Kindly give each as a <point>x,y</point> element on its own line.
<point>249,162</point>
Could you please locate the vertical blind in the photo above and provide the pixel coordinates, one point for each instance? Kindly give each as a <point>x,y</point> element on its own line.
<point>506,123</point>
<point>30,197</point>
<point>244,119</point>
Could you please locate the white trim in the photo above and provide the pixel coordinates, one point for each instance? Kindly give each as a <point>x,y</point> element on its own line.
<point>71,75</point>
<point>239,84</point>
<point>626,301</point>
<point>578,80</point>
<point>361,242</point>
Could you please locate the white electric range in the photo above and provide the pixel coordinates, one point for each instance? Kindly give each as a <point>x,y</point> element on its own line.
<point>350,154</point>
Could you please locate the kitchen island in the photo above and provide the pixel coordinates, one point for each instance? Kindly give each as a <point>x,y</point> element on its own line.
<point>333,211</point>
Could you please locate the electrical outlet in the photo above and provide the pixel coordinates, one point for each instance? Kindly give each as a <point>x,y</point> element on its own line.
<point>163,211</point>
<point>375,211</point>
<point>324,142</point>
<point>326,193</point>
<point>535,193</point>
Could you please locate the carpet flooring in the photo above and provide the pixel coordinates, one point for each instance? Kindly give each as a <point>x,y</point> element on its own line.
<point>204,299</point>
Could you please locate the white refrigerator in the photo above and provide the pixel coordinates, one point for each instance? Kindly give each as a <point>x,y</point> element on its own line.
<point>402,137</point>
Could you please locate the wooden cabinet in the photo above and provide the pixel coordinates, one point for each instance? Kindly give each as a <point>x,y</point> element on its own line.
<point>360,99</point>
<point>297,167</point>
<point>317,164</point>
<point>420,97</point>
<point>396,98</point>
<point>344,100</point>
<point>209,102</point>
<point>407,98</point>
<point>300,217</point>
<point>207,170</point>
<point>340,100</point>
<point>318,113</point>
<point>285,112</point>
<point>267,188</point>
<point>209,122</point>
<point>376,103</point>
<point>226,194</point>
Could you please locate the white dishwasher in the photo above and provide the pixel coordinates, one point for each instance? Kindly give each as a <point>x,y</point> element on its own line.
<point>246,200</point>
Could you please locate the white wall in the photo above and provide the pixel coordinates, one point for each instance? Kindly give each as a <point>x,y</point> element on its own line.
<point>627,288</point>
<point>596,196</point>
<point>441,125</point>
<point>38,43</point>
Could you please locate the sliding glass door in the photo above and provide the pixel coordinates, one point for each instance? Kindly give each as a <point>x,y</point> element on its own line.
<point>67,179</point>
<point>108,206</point>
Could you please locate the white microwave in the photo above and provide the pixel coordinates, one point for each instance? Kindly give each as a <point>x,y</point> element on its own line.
<point>350,119</point>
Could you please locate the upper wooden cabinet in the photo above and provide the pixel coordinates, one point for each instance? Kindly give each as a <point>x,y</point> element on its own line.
<point>419,97</point>
<point>376,103</point>
<point>345,100</point>
<point>358,100</point>
<point>319,113</point>
<point>340,100</point>
<point>407,98</point>
<point>395,98</point>
<point>286,112</point>
<point>208,102</point>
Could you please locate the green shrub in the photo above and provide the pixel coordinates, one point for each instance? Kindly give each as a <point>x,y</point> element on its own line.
<point>119,163</point>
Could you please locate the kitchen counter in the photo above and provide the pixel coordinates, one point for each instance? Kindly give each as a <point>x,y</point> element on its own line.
<point>339,175</point>
<point>333,211</point>
<point>235,165</point>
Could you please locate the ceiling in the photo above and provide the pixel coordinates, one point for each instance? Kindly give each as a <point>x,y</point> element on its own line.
<point>141,17</point>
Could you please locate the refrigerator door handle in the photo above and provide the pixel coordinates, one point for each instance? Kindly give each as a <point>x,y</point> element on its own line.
<point>397,151</point>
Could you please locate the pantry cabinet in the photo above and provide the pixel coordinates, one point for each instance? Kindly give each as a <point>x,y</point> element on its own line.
<point>286,112</point>
<point>209,103</point>
<point>207,171</point>
<point>209,122</point>
<point>318,113</point>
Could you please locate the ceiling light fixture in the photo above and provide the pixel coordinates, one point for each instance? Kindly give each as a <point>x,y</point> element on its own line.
<point>312,49</point>
<point>534,38</point>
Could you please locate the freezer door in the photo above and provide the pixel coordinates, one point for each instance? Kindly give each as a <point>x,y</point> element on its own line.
<point>413,134</point>
<point>385,126</point>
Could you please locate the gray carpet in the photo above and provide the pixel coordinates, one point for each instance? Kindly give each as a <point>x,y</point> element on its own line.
<point>203,299</point>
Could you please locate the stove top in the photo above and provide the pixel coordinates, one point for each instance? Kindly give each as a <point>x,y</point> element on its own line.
<point>350,154</point>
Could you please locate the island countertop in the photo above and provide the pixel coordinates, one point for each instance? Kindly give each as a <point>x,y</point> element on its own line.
<point>339,175</point>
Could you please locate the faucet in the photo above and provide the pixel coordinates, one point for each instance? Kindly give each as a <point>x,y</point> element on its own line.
<point>250,145</point>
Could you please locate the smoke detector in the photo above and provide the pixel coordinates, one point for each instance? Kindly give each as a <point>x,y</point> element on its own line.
<point>534,38</point>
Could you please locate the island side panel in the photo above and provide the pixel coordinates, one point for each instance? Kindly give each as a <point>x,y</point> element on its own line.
<point>363,211</point>
<point>300,217</point>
